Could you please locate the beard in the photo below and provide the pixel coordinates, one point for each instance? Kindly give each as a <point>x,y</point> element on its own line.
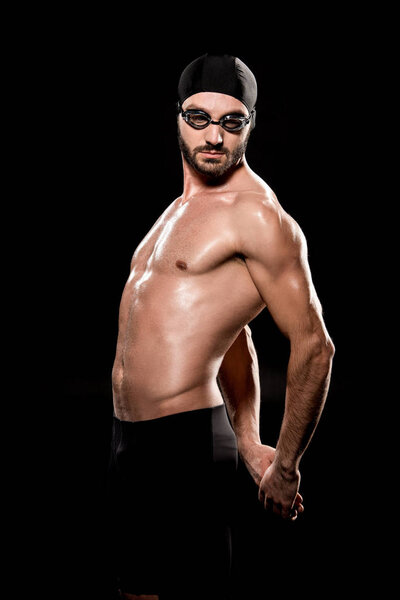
<point>212,167</point>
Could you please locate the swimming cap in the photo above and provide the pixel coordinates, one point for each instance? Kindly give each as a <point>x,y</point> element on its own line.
<point>220,73</point>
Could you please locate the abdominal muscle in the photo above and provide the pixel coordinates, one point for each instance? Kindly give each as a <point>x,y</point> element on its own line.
<point>158,377</point>
<point>173,335</point>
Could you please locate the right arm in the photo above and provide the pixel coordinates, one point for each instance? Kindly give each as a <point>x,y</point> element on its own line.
<point>239,381</point>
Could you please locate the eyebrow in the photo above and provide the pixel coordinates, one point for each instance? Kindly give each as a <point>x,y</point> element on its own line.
<point>239,112</point>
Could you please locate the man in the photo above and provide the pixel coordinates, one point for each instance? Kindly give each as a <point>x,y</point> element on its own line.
<point>217,256</point>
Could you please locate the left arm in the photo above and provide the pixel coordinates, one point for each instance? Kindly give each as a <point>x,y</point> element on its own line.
<point>276,258</point>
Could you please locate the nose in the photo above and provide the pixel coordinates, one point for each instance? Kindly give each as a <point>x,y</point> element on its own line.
<point>214,135</point>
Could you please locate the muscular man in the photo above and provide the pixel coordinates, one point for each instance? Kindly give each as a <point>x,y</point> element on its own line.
<point>220,253</point>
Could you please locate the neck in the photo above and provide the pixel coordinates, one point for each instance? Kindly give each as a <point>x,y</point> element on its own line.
<point>195,183</point>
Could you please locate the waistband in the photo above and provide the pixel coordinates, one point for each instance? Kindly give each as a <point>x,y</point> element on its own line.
<point>197,414</point>
<point>199,428</point>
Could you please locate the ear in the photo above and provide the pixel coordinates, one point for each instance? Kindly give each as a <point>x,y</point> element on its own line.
<point>253,120</point>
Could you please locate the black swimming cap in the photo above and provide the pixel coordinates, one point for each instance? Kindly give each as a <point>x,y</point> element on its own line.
<point>220,73</point>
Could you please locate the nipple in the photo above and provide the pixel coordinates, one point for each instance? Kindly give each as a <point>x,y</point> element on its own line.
<point>181,265</point>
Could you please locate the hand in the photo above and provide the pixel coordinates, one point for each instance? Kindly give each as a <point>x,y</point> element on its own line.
<point>273,490</point>
<point>278,491</point>
<point>257,458</point>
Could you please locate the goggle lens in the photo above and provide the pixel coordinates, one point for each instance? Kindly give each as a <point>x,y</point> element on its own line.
<point>234,123</point>
<point>198,120</point>
<point>201,120</point>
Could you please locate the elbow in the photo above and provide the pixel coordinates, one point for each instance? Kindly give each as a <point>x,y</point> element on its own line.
<point>331,348</point>
<point>324,351</point>
<point>321,350</point>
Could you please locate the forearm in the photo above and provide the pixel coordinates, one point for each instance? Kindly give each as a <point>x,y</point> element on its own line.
<point>239,382</point>
<point>308,378</point>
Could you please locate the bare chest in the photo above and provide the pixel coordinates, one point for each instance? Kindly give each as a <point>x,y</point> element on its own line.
<point>194,239</point>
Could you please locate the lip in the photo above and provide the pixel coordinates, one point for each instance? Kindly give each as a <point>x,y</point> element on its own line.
<point>212,154</point>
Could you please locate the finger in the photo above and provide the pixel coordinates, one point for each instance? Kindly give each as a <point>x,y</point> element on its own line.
<point>298,499</point>
<point>290,514</point>
<point>298,503</point>
<point>293,514</point>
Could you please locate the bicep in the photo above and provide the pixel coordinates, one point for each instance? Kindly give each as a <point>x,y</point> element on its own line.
<point>289,295</point>
<point>278,265</point>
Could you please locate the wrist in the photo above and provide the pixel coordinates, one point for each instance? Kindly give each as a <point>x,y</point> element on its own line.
<point>247,444</point>
<point>287,466</point>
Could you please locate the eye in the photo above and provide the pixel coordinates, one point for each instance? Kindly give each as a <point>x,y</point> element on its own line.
<point>233,123</point>
<point>198,119</point>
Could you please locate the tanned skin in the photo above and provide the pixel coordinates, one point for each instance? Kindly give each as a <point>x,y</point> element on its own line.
<point>218,255</point>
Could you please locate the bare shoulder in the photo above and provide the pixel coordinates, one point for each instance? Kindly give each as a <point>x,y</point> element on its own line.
<point>264,229</point>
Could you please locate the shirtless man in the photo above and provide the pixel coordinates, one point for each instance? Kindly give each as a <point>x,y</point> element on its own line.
<point>217,256</point>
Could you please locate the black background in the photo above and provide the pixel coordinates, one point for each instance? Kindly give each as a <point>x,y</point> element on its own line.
<point>103,163</point>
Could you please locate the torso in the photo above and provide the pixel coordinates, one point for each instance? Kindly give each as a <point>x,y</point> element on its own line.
<point>188,296</point>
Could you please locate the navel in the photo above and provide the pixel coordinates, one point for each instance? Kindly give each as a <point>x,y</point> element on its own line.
<point>181,265</point>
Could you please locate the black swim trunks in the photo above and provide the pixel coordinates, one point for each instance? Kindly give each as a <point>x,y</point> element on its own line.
<point>171,490</point>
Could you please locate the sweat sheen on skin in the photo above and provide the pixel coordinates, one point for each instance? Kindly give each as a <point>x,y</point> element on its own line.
<point>223,74</point>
